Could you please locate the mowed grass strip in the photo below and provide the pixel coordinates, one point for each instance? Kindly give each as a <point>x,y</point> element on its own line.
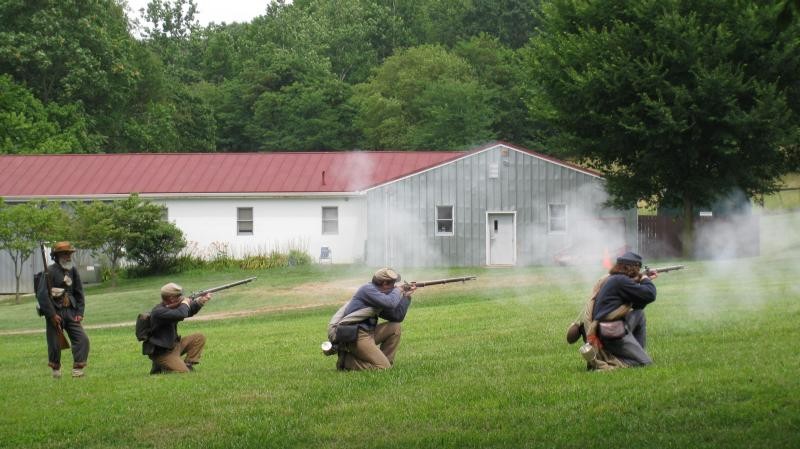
<point>482,364</point>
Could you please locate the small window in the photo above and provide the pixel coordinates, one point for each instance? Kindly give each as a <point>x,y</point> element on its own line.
<point>330,220</point>
<point>444,220</point>
<point>244,220</point>
<point>558,218</point>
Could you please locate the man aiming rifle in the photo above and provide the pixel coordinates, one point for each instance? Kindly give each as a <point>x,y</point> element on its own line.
<point>612,322</point>
<point>354,332</point>
<point>159,329</point>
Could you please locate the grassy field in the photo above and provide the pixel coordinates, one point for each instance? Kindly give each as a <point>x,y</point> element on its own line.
<point>483,364</point>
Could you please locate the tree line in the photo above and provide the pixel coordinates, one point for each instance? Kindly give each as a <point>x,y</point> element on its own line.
<point>677,102</point>
<point>79,76</point>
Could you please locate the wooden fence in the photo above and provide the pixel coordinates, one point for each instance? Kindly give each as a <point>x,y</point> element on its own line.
<point>715,237</point>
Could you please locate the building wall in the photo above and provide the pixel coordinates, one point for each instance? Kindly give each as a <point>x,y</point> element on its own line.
<point>87,265</point>
<point>8,280</point>
<point>278,224</point>
<point>402,214</point>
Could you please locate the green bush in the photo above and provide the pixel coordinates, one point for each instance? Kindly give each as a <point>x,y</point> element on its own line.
<point>156,247</point>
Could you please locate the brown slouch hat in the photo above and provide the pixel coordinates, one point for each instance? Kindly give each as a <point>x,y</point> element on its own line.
<point>171,289</point>
<point>385,275</point>
<point>63,247</point>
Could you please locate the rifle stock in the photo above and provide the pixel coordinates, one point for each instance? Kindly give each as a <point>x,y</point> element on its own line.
<point>221,287</point>
<point>419,284</point>
<point>62,340</point>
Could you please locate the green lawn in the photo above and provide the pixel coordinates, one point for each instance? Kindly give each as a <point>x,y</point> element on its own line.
<point>483,364</point>
<point>788,199</point>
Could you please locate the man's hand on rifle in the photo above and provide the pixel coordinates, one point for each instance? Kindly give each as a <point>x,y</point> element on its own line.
<point>56,320</point>
<point>408,288</point>
<point>78,318</point>
<point>649,274</point>
<point>204,299</point>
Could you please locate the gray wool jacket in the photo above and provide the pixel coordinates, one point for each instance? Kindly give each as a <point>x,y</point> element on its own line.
<point>392,306</point>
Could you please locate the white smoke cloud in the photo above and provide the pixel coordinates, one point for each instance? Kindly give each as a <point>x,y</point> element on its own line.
<point>356,167</point>
<point>742,253</point>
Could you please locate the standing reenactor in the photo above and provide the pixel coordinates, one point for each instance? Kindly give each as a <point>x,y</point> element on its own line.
<point>62,304</point>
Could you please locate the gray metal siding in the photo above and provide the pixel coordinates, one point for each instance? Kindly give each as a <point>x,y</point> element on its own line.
<point>525,185</point>
<point>82,260</point>
<point>8,280</point>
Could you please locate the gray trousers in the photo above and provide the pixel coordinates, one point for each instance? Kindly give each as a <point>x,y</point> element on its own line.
<point>77,338</point>
<point>631,348</point>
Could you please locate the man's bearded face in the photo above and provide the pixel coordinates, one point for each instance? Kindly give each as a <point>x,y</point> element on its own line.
<point>65,260</point>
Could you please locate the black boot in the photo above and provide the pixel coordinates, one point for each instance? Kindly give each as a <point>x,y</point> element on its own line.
<point>156,368</point>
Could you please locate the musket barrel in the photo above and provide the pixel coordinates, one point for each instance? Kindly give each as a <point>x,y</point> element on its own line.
<point>221,287</point>
<point>443,281</point>
<point>665,269</point>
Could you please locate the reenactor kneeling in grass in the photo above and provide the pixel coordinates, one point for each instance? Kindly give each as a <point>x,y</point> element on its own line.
<point>164,346</point>
<point>362,343</point>
<point>612,322</point>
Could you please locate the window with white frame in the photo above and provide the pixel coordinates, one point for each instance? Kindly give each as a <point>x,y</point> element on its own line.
<point>244,220</point>
<point>557,218</point>
<point>444,220</point>
<point>330,220</point>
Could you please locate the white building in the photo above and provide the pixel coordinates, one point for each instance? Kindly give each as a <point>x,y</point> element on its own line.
<point>495,205</point>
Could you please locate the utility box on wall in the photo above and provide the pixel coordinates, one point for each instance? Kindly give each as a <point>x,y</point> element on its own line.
<point>90,274</point>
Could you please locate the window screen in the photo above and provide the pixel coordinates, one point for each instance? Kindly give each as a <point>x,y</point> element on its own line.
<point>444,220</point>
<point>330,220</point>
<point>558,218</point>
<point>244,220</point>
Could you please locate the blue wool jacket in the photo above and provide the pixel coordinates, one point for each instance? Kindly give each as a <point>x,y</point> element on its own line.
<point>620,289</point>
<point>393,305</point>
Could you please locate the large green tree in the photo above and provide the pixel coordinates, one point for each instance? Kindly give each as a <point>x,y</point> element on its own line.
<point>678,102</point>
<point>497,69</point>
<point>355,35</point>
<point>72,52</point>
<point>28,126</point>
<point>423,97</point>
<point>177,118</point>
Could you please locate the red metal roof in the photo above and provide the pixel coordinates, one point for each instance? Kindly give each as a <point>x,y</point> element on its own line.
<point>200,173</point>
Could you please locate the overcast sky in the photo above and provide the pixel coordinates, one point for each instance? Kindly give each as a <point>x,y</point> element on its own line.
<point>217,10</point>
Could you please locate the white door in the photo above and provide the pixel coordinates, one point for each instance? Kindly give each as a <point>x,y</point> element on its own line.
<point>502,245</point>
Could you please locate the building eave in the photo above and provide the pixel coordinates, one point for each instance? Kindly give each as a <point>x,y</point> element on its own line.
<point>169,196</point>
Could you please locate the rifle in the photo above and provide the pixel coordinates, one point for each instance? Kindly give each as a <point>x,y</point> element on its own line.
<point>221,287</point>
<point>62,340</point>
<point>407,285</point>
<point>648,271</point>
